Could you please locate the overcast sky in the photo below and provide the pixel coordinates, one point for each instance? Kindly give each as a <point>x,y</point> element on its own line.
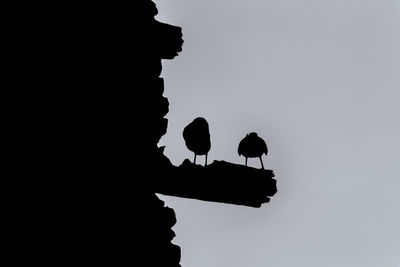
<point>320,82</point>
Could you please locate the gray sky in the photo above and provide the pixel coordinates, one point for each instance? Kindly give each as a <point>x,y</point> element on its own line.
<point>320,82</point>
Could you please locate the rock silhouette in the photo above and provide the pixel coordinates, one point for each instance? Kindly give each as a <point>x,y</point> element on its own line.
<point>197,137</point>
<point>253,146</point>
<point>94,201</point>
<point>220,181</point>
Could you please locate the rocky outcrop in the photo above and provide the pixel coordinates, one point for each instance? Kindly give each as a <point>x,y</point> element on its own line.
<point>220,181</point>
<point>164,42</point>
<point>94,201</point>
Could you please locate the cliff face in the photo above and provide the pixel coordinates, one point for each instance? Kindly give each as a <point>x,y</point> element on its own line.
<point>218,182</point>
<point>165,43</point>
<point>97,203</point>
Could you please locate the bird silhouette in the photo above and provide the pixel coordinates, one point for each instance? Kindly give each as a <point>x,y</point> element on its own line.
<point>253,146</point>
<point>197,137</point>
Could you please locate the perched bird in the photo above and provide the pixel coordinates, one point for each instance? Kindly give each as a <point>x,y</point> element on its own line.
<point>252,146</point>
<point>197,137</point>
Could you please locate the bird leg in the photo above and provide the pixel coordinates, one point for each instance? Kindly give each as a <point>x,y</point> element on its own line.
<point>194,161</point>
<point>262,165</point>
<point>246,161</point>
<point>206,159</point>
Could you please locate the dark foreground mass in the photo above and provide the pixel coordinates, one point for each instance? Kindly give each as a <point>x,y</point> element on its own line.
<point>94,193</point>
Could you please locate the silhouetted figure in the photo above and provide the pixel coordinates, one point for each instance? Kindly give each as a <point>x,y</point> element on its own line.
<point>252,146</point>
<point>197,137</point>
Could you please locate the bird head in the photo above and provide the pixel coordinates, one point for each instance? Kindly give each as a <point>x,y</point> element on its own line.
<point>253,134</point>
<point>200,119</point>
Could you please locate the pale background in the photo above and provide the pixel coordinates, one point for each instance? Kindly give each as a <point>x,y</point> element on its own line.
<point>320,82</point>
